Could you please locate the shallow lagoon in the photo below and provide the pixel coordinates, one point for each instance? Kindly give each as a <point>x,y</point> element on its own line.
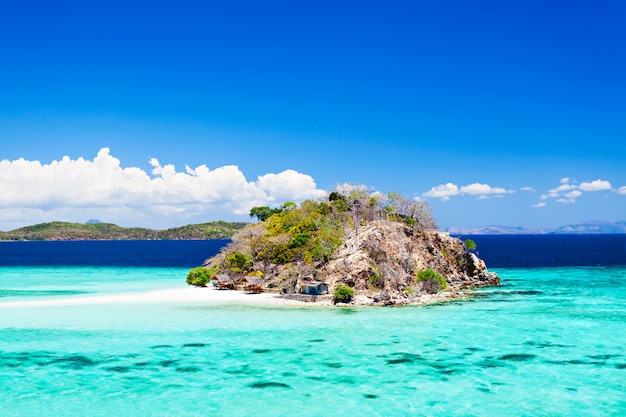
<point>548,342</point>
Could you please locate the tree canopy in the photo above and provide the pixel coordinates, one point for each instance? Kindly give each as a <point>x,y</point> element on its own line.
<point>263,213</point>
<point>311,232</point>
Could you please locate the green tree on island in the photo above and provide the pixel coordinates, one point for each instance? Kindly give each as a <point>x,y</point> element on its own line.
<point>200,276</point>
<point>469,244</point>
<point>239,262</point>
<point>263,213</point>
<point>343,294</point>
<point>432,282</point>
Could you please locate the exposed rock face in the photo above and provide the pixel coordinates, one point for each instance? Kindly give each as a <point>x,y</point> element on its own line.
<point>381,261</point>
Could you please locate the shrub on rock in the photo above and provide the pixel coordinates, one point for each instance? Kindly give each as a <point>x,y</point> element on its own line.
<point>343,294</point>
<point>432,282</point>
<point>469,244</point>
<point>199,276</point>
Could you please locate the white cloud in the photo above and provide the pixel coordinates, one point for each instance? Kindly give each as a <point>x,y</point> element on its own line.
<point>567,193</point>
<point>529,189</point>
<point>481,189</point>
<point>346,188</point>
<point>573,194</point>
<point>80,189</point>
<point>622,190</point>
<point>289,184</point>
<point>564,187</point>
<point>539,205</point>
<point>382,196</point>
<point>597,185</point>
<point>556,192</point>
<point>443,191</point>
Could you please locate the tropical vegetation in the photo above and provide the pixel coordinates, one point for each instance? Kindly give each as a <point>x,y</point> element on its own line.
<point>109,231</point>
<point>200,276</point>
<point>343,294</point>
<point>307,235</point>
<point>469,244</point>
<point>432,282</point>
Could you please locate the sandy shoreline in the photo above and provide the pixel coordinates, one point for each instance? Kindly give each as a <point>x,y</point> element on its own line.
<point>194,295</point>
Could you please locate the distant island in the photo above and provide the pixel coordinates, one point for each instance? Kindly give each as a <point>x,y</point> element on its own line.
<point>353,248</point>
<point>96,230</point>
<point>590,227</point>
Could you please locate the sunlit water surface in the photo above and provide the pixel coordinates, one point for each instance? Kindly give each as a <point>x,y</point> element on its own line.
<point>549,342</point>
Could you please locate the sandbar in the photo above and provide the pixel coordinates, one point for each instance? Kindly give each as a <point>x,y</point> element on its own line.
<point>190,295</point>
<point>208,296</point>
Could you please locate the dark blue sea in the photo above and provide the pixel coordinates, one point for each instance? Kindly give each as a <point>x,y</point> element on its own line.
<point>498,251</point>
<point>533,251</point>
<point>138,253</point>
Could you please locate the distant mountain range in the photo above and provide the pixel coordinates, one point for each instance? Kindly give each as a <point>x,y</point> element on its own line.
<point>96,230</point>
<point>591,227</point>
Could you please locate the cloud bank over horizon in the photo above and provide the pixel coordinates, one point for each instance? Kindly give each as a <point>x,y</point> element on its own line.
<point>80,189</point>
<point>569,190</point>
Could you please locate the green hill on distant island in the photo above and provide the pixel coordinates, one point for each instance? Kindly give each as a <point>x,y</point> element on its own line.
<point>109,231</point>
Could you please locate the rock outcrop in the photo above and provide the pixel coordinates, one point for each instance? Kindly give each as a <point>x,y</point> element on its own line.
<point>381,261</point>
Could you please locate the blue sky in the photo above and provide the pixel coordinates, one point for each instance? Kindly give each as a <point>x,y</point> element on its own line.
<point>507,113</point>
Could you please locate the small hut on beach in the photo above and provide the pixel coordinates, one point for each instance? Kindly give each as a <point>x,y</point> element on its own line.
<point>225,282</point>
<point>313,288</point>
<point>253,284</point>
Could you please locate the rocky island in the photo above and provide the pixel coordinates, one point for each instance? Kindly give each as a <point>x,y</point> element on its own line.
<point>353,247</point>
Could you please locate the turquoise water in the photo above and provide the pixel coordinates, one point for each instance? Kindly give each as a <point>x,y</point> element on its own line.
<point>549,342</point>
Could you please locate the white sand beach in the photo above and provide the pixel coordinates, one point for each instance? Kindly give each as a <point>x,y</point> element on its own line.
<point>209,295</point>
